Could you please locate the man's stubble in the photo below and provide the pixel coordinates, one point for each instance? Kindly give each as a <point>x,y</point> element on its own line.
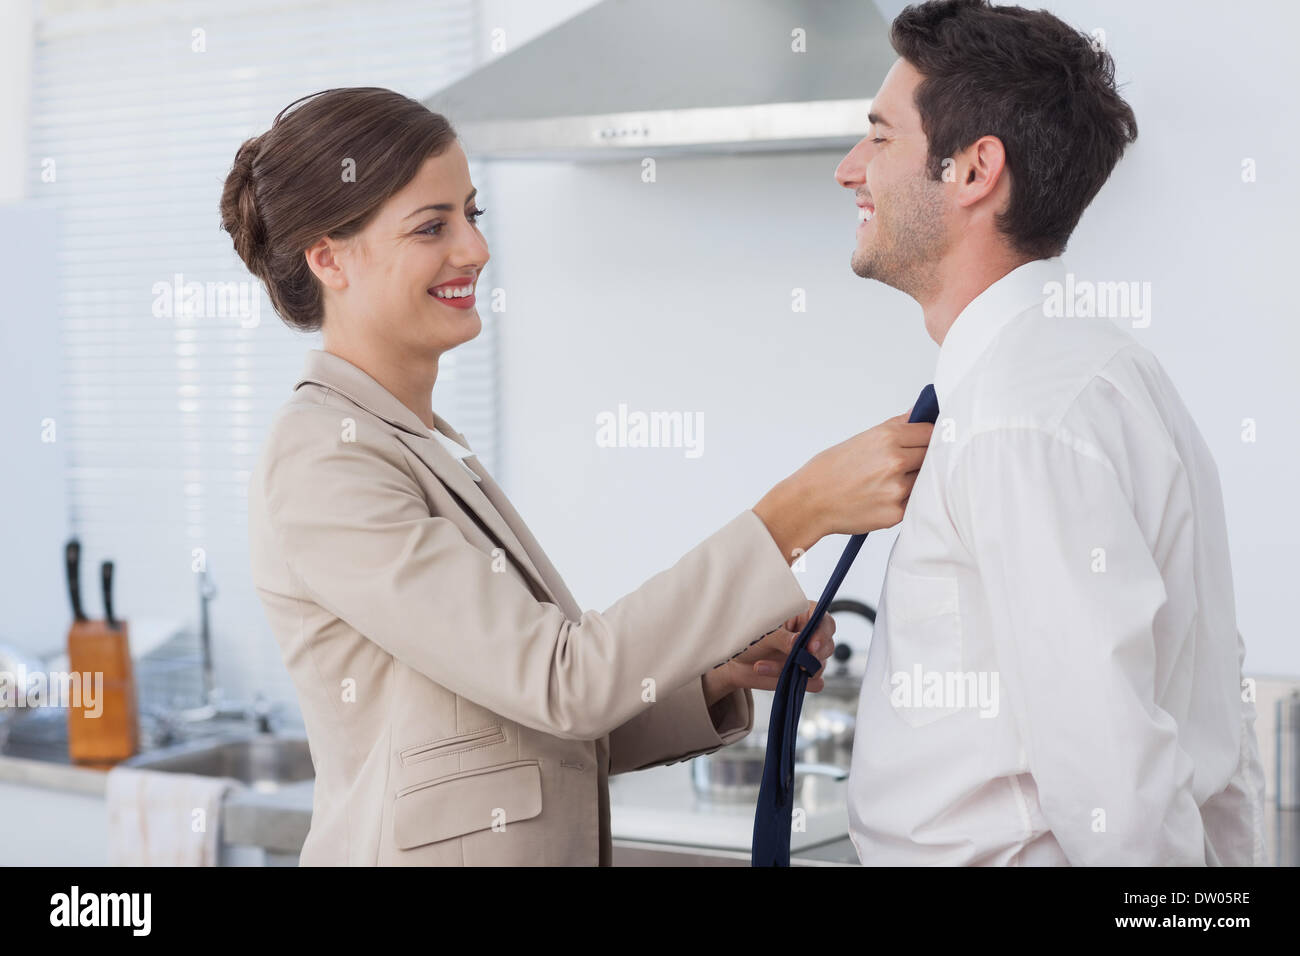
<point>909,242</point>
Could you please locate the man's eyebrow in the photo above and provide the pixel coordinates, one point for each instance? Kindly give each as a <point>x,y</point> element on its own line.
<point>442,206</point>
<point>875,119</point>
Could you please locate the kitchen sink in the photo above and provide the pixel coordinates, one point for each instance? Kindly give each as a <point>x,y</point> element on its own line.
<point>262,761</point>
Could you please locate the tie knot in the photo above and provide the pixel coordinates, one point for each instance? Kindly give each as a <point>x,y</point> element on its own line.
<point>926,408</point>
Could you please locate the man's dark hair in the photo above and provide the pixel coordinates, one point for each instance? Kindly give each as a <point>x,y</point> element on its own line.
<point>1038,85</point>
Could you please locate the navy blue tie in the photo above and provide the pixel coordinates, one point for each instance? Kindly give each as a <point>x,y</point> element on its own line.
<point>773,815</point>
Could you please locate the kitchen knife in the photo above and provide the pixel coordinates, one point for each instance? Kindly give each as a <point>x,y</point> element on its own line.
<point>73,554</point>
<point>106,573</point>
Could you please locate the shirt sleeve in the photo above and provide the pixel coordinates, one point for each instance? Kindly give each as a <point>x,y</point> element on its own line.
<point>1234,817</point>
<point>1072,592</point>
<point>357,537</point>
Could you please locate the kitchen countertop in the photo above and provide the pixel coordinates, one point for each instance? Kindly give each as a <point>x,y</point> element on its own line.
<point>650,806</point>
<point>647,808</point>
<point>654,807</point>
<point>660,805</point>
<point>53,775</point>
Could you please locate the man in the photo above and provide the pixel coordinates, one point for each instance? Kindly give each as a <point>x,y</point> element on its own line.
<point>1055,675</point>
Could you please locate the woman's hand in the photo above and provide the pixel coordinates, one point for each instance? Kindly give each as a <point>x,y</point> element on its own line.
<point>871,475</point>
<point>758,667</point>
<point>857,486</point>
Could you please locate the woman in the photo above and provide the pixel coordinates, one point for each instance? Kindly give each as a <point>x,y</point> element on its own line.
<point>461,707</point>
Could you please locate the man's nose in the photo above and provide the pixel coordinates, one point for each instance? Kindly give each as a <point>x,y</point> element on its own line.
<point>852,170</point>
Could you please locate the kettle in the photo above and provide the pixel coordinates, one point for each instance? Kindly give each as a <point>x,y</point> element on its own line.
<point>833,712</point>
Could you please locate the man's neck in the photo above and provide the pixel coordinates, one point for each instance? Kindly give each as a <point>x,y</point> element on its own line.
<point>963,274</point>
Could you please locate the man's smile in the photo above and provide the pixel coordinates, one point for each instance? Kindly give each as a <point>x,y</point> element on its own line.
<point>866,211</point>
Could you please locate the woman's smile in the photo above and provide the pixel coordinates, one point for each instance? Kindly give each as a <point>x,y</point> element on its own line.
<point>457,293</point>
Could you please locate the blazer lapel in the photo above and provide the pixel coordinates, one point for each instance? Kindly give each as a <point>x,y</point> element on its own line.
<point>453,474</point>
<point>554,584</point>
<point>325,368</point>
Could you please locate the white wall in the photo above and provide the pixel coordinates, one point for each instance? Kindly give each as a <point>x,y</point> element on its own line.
<point>676,296</point>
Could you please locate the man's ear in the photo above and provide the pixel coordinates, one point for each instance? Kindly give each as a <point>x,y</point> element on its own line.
<point>324,260</point>
<point>979,169</point>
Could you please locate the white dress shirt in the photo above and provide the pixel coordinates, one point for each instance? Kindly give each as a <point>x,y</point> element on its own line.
<point>458,451</point>
<point>1055,672</point>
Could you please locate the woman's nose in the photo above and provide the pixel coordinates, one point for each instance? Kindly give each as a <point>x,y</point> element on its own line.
<point>471,248</point>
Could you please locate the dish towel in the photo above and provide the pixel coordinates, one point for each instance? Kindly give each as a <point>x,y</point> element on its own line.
<point>157,818</point>
<point>772,816</point>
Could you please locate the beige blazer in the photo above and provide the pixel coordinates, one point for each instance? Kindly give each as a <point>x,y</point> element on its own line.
<point>461,708</point>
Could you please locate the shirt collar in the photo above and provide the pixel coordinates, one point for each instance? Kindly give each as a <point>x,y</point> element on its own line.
<point>984,316</point>
<point>458,450</point>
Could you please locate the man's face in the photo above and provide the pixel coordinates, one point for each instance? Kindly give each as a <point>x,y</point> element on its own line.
<point>902,232</point>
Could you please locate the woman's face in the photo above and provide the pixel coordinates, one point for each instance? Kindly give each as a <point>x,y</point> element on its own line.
<point>394,283</point>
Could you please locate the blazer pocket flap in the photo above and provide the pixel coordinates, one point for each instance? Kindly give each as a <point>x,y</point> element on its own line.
<point>461,803</point>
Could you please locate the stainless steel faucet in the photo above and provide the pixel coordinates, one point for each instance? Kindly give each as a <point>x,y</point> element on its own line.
<point>260,711</point>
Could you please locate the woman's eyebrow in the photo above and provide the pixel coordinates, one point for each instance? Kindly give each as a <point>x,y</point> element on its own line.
<point>442,206</point>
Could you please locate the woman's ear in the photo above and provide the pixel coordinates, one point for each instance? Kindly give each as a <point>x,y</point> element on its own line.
<point>325,261</point>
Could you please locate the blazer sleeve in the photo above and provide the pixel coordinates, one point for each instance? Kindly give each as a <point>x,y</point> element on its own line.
<point>357,537</point>
<point>680,727</point>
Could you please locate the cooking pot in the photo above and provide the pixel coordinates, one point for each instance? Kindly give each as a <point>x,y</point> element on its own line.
<point>736,772</point>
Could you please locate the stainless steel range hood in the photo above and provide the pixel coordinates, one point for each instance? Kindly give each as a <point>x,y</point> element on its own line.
<point>627,77</point>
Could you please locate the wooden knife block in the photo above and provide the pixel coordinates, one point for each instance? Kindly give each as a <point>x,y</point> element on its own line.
<point>96,648</point>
